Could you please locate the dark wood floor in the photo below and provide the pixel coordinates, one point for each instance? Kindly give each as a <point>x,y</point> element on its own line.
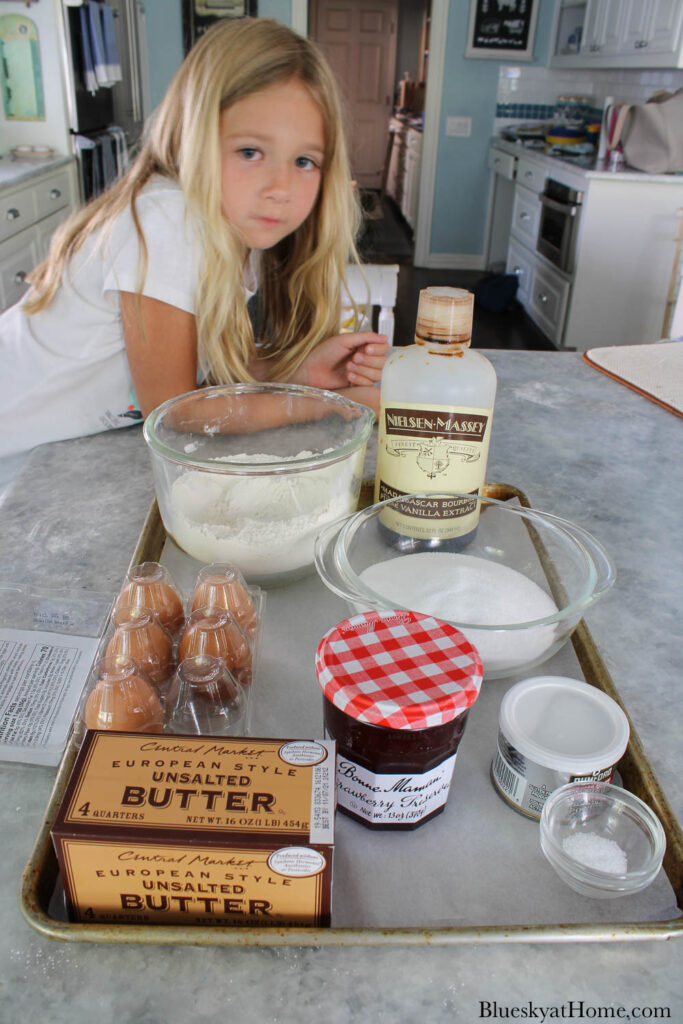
<point>388,239</point>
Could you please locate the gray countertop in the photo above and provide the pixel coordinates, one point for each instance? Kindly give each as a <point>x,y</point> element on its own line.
<point>580,445</point>
<point>599,171</point>
<point>18,172</point>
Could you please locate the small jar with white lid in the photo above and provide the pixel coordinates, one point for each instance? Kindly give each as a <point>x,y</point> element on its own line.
<point>397,689</point>
<point>554,730</point>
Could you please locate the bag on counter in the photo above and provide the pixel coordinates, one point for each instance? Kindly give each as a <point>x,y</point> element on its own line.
<point>495,292</point>
<point>651,133</point>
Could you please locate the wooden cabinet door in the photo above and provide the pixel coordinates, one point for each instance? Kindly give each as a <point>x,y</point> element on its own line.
<point>359,40</point>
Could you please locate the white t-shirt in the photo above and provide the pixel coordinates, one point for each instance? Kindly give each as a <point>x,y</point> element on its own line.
<point>64,371</point>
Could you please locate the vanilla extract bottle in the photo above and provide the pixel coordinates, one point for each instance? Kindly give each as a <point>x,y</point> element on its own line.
<point>436,407</point>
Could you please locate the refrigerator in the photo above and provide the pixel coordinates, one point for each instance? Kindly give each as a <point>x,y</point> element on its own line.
<point>107,101</point>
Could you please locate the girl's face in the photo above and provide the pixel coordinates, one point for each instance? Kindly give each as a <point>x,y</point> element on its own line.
<point>272,151</point>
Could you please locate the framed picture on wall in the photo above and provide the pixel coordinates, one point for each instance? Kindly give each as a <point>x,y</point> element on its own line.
<point>198,15</point>
<point>502,29</point>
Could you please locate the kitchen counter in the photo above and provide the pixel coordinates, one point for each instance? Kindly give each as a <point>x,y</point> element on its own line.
<point>598,171</point>
<point>580,445</point>
<point>16,172</point>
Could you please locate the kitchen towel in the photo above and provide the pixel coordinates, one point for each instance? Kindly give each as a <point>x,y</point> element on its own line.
<point>655,371</point>
<point>100,35</point>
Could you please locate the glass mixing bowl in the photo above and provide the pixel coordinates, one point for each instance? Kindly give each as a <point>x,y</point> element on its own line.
<point>601,840</point>
<point>249,473</point>
<point>517,586</point>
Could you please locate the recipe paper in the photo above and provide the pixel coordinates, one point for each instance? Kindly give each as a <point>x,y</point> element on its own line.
<point>42,676</point>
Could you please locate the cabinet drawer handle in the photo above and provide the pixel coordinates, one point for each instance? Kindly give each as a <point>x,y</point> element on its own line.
<point>525,216</point>
<point>518,271</point>
<point>529,174</point>
<point>55,193</point>
<point>13,213</point>
<point>542,297</point>
<point>20,277</point>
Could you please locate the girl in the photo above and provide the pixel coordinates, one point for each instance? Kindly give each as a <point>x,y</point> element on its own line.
<point>243,183</point>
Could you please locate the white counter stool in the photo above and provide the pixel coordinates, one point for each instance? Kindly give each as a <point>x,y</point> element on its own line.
<point>370,286</point>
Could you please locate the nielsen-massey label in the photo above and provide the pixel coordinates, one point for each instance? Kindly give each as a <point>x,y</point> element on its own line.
<point>424,449</point>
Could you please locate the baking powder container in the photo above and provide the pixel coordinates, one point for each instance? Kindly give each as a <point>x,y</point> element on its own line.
<point>554,730</point>
<point>397,687</point>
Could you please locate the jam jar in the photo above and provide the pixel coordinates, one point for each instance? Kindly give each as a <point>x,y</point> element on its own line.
<point>397,688</point>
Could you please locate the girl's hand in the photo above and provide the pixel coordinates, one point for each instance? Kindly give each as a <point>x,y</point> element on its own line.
<point>344,360</point>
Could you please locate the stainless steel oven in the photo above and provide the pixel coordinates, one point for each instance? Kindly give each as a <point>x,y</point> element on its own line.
<point>557,230</point>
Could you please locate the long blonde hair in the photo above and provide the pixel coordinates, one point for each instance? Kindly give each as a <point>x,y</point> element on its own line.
<point>301,276</point>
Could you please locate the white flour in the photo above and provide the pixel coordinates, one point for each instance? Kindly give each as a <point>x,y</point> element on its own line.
<point>464,588</point>
<point>264,525</point>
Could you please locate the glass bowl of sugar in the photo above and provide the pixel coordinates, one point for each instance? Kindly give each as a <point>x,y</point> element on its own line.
<point>249,473</point>
<point>601,839</point>
<point>516,585</point>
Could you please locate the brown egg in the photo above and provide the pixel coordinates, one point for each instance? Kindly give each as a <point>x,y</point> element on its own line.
<point>215,631</point>
<point>221,586</point>
<point>150,586</point>
<point>123,699</point>
<point>138,635</point>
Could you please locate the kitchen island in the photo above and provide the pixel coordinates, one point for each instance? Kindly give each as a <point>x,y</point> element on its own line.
<point>578,444</point>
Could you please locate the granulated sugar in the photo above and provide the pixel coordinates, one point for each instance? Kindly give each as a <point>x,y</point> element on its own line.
<point>265,525</point>
<point>595,851</point>
<point>464,589</point>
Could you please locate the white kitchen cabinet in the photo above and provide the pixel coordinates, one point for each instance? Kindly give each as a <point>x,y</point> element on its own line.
<point>526,214</point>
<point>504,167</point>
<point>618,34</point>
<point>625,250</point>
<point>411,185</point>
<point>520,262</point>
<point>548,300</point>
<point>542,290</point>
<point>18,256</point>
<point>29,213</point>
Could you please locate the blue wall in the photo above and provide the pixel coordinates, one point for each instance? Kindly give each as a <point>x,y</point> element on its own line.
<point>470,88</point>
<point>165,38</point>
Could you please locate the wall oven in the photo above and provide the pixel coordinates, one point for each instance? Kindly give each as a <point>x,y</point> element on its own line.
<point>558,227</point>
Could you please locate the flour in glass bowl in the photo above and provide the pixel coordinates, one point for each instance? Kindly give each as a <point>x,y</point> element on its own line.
<point>465,588</point>
<point>265,525</point>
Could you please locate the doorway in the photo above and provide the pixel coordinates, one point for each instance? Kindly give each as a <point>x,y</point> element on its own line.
<point>359,41</point>
<point>432,115</point>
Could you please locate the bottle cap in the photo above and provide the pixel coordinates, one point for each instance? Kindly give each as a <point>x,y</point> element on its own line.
<point>444,316</point>
<point>398,669</point>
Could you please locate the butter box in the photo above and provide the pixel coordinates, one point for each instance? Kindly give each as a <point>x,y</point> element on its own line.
<point>170,829</point>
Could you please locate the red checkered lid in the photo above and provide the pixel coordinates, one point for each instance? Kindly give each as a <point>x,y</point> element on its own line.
<point>399,669</point>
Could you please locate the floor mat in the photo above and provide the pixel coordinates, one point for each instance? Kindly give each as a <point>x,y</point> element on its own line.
<point>655,371</point>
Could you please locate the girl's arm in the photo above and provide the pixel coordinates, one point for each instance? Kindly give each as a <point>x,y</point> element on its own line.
<point>161,345</point>
<point>348,363</point>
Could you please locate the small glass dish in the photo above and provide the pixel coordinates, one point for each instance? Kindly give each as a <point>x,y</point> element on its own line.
<point>604,815</point>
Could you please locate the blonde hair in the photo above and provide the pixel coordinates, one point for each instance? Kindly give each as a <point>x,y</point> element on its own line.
<point>301,276</point>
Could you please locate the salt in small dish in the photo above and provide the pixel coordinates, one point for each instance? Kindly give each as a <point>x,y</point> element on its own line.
<point>601,839</point>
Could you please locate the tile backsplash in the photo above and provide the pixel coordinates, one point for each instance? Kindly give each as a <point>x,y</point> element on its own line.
<point>529,93</point>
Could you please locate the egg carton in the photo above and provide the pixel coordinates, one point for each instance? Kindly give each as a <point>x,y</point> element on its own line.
<point>152,646</point>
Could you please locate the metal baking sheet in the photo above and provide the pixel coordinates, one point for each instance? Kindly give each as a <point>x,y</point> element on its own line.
<point>473,875</point>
